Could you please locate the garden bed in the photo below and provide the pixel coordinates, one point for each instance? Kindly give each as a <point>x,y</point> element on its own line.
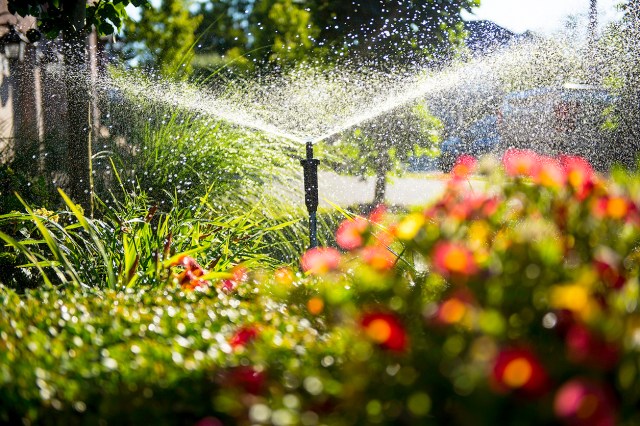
<point>516,305</point>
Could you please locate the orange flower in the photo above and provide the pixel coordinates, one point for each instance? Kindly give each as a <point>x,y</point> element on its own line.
<point>320,260</point>
<point>453,258</point>
<point>386,330</point>
<point>378,258</point>
<point>613,207</point>
<point>519,370</point>
<point>518,162</point>
<point>349,233</point>
<point>464,165</point>
<point>315,306</point>
<point>582,402</point>
<point>452,311</point>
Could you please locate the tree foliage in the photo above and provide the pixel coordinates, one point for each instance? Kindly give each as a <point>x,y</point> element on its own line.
<point>165,37</point>
<point>620,46</point>
<point>386,144</point>
<point>55,16</point>
<point>287,31</point>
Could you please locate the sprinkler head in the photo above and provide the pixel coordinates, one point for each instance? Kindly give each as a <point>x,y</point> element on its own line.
<point>310,166</point>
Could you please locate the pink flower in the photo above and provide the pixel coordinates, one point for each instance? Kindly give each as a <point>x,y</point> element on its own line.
<point>378,257</point>
<point>320,260</point>
<point>581,402</point>
<point>550,173</point>
<point>518,162</point>
<point>464,165</point>
<point>349,233</point>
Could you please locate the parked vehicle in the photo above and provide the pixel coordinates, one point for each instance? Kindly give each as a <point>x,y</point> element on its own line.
<point>556,120</point>
<point>480,138</point>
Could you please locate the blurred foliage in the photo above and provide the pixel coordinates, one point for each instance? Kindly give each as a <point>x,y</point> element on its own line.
<point>164,36</point>
<point>514,305</point>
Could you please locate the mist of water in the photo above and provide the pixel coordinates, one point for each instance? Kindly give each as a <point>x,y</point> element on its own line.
<point>318,103</point>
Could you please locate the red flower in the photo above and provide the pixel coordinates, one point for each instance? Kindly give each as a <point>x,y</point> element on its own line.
<point>472,206</point>
<point>378,214</point>
<point>320,260</point>
<point>585,347</point>
<point>247,378</point>
<point>243,336</point>
<point>189,278</point>
<point>378,258</point>
<point>519,370</point>
<point>581,402</point>
<point>608,264</point>
<point>518,162</point>
<point>464,165</point>
<point>453,259</point>
<point>580,175</point>
<point>187,262</point>
<point>238,276</point>
<point>349,233</point>
<point>386,330</point>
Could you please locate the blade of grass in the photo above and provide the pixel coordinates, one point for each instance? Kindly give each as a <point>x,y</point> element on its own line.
<point>111,278</point>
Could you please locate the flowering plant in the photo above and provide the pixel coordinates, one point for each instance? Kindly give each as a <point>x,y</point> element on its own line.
<point>521,307</point>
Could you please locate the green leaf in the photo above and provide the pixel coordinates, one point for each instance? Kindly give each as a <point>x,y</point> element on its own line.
<point>105,28</point>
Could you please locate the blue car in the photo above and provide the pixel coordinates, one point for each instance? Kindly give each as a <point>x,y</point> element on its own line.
<point>480,138</point>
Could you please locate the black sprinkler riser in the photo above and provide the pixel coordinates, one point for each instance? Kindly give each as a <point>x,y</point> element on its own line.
<point>310,167</point>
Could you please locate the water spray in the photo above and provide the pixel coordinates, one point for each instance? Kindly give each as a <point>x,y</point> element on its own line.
<point>310,166</point>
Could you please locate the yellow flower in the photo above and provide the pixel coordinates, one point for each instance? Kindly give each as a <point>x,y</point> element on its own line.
<point>575,298</point>
<point>409,227</point>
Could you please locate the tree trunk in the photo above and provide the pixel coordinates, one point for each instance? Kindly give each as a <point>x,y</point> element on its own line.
<point>78,104</point>
<point>381,186</point>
